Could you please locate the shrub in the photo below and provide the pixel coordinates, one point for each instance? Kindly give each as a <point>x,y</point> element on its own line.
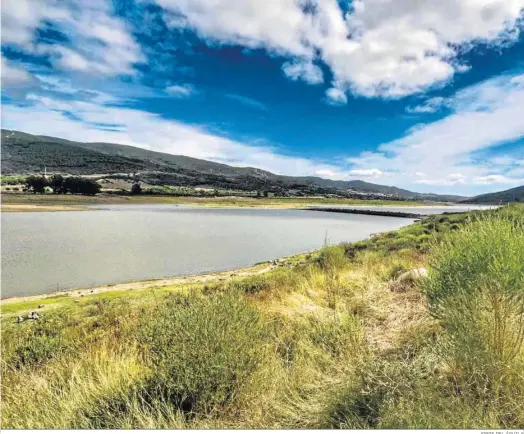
<point>37,343</point>
<point>136,189</point>
<point>332,259</point>
<point>203,350</point>
<point>476,290</point>
<point>251,285</point>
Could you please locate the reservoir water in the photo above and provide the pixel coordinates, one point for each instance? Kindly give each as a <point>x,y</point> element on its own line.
<point>48,251</point>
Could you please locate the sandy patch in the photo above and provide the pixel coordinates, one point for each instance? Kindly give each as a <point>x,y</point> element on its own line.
<point>40,208</point>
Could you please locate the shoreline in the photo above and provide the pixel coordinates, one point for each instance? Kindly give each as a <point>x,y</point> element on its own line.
<point>12,202</point>
<point>213,276</point>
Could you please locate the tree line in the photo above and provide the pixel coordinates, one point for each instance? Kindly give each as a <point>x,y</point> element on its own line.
<point>62,185</point>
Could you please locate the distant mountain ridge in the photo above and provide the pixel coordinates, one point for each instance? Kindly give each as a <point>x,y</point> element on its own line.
<point>27,153</point>
<point>512,195</point>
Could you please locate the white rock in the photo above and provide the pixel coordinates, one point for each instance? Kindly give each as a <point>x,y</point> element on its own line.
<point>417,273</point>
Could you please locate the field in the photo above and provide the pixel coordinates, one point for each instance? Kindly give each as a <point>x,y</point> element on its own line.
<point>346,337</point>
<point>12,201</point>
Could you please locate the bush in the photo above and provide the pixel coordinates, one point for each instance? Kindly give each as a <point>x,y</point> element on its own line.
<point>476,290</point>
<point>136,189</point>
<point>203,350</point>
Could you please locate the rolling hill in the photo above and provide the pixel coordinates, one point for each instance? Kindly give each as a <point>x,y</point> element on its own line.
<point>507,196</point>
<point>26,153</point>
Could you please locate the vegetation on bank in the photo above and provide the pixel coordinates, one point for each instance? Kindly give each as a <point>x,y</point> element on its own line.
<point>342,338</point>
<point>62,185</point>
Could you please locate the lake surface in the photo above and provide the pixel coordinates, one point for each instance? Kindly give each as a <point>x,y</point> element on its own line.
<point>48,251</point>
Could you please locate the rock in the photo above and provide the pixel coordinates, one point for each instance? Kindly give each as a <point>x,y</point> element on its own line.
<point>415,274</point>
<point>33,315</point>
<point>20,319</point>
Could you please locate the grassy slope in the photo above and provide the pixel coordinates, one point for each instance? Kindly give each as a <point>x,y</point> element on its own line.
<point>332,339</point>
<point>292,202</point>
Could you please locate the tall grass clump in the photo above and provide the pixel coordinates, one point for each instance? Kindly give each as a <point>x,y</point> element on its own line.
<point>476,290</point>
<point>203,350</point>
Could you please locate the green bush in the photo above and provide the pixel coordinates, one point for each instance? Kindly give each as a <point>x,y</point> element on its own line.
<point>332,259</point>
<point>36,343</point>
<point>203,350</point>
<point>476,290</point>
<point>251,285</point>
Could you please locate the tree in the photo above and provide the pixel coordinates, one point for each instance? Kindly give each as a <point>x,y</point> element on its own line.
<point>136,189</point>
<point>56,182</point>
<point>76,185</point>
<point>36,184</point>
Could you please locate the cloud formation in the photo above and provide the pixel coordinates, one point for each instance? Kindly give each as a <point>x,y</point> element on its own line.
<point>250,102</point>
<point>377,48</point>
<point>94,39</point>
<point>441,153</point>
<point>180,90</point>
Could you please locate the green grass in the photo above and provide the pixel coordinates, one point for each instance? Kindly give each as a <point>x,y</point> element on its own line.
<point>332,340</point>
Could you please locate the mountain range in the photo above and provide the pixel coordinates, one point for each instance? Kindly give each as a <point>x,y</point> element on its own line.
<point>24,153</point>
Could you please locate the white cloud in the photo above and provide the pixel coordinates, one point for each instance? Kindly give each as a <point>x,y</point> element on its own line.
<point>431,105</point>
<point>366,173</point>
<point>451,179</point>
<point>250,102</point>
<point>386,48</point>
<point>483,116</point>
<point>99,41</point>
<point>336,96</point>
<point>180,90</point>
<point>304,70</point>
<point>325,173</point>
<point>496,179</point>
<point>13,75</point>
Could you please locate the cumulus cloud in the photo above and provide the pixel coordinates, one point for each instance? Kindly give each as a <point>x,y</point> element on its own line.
<point>304,70</point>
<point>180,90</point>
<point>97,41</point>
<point>483,116</point>
<point>388,48</point>
<point>336,96</point>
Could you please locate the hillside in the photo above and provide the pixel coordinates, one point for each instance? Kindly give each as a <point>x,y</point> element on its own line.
<point>25,153</point>
<point>512,195</point>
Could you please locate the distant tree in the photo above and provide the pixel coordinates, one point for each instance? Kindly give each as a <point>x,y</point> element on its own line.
<point>90,187</point>
<point>36,184</point>
<point>266,193</point>
<point>77,185</point>
<point>56,182</point>
<point>136,189</point>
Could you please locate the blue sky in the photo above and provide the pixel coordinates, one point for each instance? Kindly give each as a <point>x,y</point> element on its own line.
<point>424,95</point>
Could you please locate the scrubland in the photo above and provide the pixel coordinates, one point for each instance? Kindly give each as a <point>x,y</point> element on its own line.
<point>344,337</point>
